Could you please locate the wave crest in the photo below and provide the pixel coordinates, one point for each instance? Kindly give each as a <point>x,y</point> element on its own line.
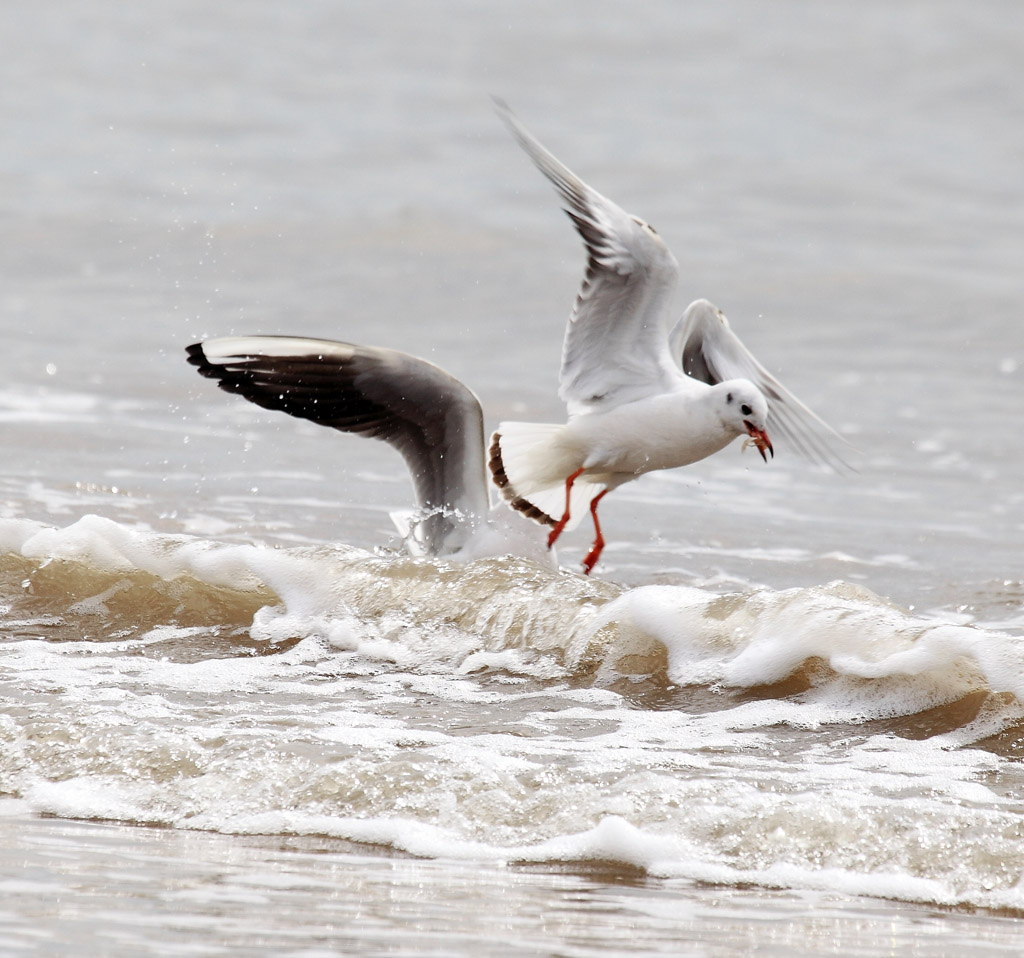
<point>846,652</point>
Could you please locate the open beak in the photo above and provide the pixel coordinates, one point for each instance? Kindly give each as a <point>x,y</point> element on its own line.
<point>760,439</point>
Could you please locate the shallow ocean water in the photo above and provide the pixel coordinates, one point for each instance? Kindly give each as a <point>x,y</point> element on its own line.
<point>786,713</point>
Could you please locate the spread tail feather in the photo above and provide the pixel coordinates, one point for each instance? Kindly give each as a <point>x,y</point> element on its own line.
<point>530,467</point>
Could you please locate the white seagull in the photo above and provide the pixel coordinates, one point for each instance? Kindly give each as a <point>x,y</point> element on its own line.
<point>641,394</point>
<point>431,418</point>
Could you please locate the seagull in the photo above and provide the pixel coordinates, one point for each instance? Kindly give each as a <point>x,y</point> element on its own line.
<point>641,394</point>
<point>425,413</point>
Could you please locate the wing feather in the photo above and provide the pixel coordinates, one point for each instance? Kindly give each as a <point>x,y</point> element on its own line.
<point>616,342</point>
<point>431,418</point>
<point>711,352</point>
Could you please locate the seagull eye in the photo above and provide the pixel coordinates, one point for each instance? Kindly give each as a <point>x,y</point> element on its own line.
<point>746,410</point>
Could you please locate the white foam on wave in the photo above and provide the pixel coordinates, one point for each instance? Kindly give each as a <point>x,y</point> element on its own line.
<point>375,726</point>
<point>412,612</point>
<point>867,658</point>
<point>804,843</point>
<point>613,840</point>
<point>294,744</point>
<point>881,661</point>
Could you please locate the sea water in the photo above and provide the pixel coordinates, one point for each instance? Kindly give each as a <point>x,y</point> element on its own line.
<point>785,713</point>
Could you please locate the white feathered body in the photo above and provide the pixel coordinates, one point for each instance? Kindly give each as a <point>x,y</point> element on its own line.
<point>612,446</point>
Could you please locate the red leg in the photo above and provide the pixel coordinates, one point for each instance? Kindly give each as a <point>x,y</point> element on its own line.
<point>590,559</point>
<point>560,525</point>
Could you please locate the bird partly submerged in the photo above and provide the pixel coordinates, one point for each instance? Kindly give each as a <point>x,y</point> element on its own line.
<point>641,393</point>
<point>423,412</point>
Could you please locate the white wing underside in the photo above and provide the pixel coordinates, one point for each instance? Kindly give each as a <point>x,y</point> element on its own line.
<point>616,343</point>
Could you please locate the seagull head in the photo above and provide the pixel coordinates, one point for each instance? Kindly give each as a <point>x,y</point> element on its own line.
<point>746,411</point>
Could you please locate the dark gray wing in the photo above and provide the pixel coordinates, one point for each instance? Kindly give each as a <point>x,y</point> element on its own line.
<point>431,418</point>
<point>711,352</point>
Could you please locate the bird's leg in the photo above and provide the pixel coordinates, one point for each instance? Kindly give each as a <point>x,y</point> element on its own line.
<point>590,559</point>
<point>560,525</point>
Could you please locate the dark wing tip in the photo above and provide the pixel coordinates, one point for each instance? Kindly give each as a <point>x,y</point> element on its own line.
<point>196,356</point>
<point>232,379</point>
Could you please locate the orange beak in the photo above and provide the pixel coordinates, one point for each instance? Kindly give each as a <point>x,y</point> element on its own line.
<point>760,439</point>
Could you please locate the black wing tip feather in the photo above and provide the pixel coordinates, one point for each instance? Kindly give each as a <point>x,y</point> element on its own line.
<point>292,385</point>
<point>196,356</point>
<point>347,393</point>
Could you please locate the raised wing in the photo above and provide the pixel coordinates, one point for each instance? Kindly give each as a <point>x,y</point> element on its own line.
<point>616,343</point>
<point>711,352</point>
<point>431,418</point>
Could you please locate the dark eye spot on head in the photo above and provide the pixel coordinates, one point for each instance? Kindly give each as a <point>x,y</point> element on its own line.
<point>728,397</point>
<point>746,410</point>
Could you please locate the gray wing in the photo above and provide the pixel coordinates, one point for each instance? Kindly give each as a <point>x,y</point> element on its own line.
<point>616,342</point>
<point>431,418</point>
<point>711,352</point>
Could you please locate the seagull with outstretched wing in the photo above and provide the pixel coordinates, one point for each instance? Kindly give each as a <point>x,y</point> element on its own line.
<point>641,394</point>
